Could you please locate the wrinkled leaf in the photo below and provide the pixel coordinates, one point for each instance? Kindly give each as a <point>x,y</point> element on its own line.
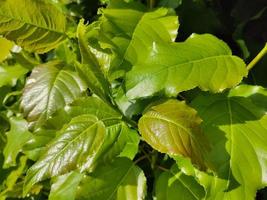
<point>173,127</point>
<point>75,147</point>
<point>49,88</point>
<point>34,25</point>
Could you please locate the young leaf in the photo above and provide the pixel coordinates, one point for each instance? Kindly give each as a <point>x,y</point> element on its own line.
<point>64,187</point>
<point>236,127</point>
<point>5,45</point>
<point>49,88</point>
<point>118,181</point>
<point>75,147</point>
<point>34,25</point>
<point>90,69</point>
<point>201,61</point>
<point>17,136</point>
<point>174,128</point>
<point>174,183</point>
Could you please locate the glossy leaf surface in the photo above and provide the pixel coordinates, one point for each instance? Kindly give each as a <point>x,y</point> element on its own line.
<point>173,127</point>
<point>49,88</point>
<point>75,147</point>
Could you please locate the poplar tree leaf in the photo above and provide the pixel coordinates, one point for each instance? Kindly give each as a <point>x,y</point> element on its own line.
<point>118,181</point>
<point>201,61</point>
<point>173,127</point>
<point>64,187</point>
<point>34,25</point>
<point>5,46</point>
<point>75,147</point>
<point>174,183</point>
<point>17,136</point>
<point>49,88</point>
<point>236,126</point>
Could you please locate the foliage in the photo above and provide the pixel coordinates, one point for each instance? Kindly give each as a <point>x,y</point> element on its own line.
<point>120,99</point>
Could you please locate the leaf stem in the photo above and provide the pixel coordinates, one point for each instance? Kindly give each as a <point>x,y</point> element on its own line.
<point>150,4</point>
<point>163,168</point>
<point>257,58</point>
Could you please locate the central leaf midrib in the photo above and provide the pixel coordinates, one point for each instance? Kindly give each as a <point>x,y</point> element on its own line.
<point>74,139</point>
<point>168,67</point>
<point>35,25</point>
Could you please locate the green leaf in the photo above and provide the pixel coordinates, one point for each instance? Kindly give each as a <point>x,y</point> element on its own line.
<point>64,187</point>
<point>75,147</point>
<point>90,69</point>
<point>235,125</point>
<point>10,74</point>
<point>17,136</point>
<point>94,106</point>
<point>120,140</point>
<point>5,45</point>
<point>174,183</point>
<point>201,61</point>
<point>118,181</point>
<point>13,177</point>
<point>49,88</point>
<point>36,144</point>
<point>34,25</point>
<point>173,127</point>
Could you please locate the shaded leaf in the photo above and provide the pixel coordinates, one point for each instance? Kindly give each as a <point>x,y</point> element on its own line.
<point>173,127</point>
<point>64,187</point>
<point>118,181</point>
<point>90,69</point>
<point>174,183</point>
<point>236,127</point>
<point>34,25</point>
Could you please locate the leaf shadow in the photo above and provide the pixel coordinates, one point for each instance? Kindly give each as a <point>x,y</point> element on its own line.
<point>224,114</point>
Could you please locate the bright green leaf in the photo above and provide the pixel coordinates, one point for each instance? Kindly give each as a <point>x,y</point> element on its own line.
<point>10,74</point>
<point>49,88</point>
<point>16,138</point>
<point>237,128</point>
<point>201,61</point>
<point>90,69</point>
<point>173,127</point>
<point>64,187</point>
<point>118,181</point>
<point>36,144</point>
<point>174,183</point>
<point>5,46</point>
<point>34,25</point>
<point>75,147</point>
